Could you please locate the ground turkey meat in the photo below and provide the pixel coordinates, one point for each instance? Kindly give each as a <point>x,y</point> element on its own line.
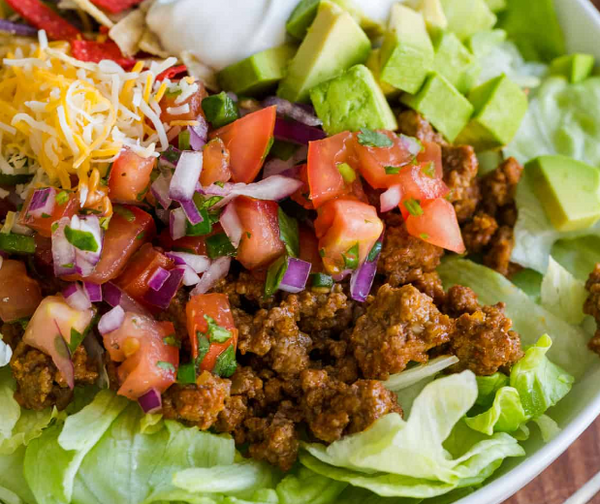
<point>592,306</point>
<point>499,187</point>
<point>404,258</point>
<point>413,124</point>
<point>460,300</point>
<point>198,404</point>
<point>333,409</point>
<point>400,326</point>
<point>460,175</point>
<point>478,233</point>
<point>330,311</point>
<point>484,342</point>
<point>243,289</point>
<point>40,385</point>
<point>498,255</point>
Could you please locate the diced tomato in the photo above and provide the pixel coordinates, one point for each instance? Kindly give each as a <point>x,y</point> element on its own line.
<point>144,263</point>
<point>248,140</point>
<point>341,225</point>
<point>44,18</point>
<point>130,177</point>
<point>116,6</point>
<point>169,73</point>
<point>191,244</point>
<point>148,361</point>
<point>324,178</point>
<point>194,101</point>
<point>309,248</point>
<point>438,225</point>
<point>432,153</point>
<point>20,294</point>
<point>217,307</point>
<point>215,164</point>
<point>129,228</point>
<point>301,195</point>
<point>418,184</point>
<point>95,52</point>
<point>260,244</point>
<point>373,161</point>
<point>43,224</point>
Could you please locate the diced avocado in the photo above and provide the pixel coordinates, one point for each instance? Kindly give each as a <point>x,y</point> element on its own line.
<point>352,101</point>
<point>333,44</point>
<point>374,64</point>
<point>258,73</point>
<point>305,12</point>
<point>569,191</point>
<point>534,27</point>
<point>482,43</point>
<point>433,14</point>
<point>407,52</point>
<point>455,62</point>
<point>466,17</point>
<point>496,5</point>
<point>575,67</point>
<point>500,106</point>
<point>442,105</point>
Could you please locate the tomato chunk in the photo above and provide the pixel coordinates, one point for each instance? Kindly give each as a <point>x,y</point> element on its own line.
<point>128,230</point>
<point>248,140</point>
<point>309,248</point>
<point>432,153</point>
<point>217,307</point>
<point>130,177</point>
<point>347,231</point>
<point>380,165</point>
<point>144,263</point>
<point>260,244</point>
<point>215,164</point>
<point>148,362</point>
<point>438,225</point>
<point>419,183</point>
<point>65,205</point>
<point>20,294</point>
<point>172,101</point>
<point>301,195</point>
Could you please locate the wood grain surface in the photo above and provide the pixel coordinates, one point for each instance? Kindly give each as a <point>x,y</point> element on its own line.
<point>570,471</point>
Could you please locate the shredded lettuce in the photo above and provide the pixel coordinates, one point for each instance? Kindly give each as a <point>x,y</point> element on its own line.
<point>303,485</point>
<point>414,375</point>
<point>487,386</point>
<point>562,294</point>
<point>530,320</point>
<point>505,415</point>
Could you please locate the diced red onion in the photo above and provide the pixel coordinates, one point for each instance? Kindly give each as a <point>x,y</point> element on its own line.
<point>362,278</point>
<point>198,263</point>
<point>76,297</point>
<point>158,278</point>
<point>191,212</point>
<point>187,173</point>
<point>296,132</point>
<point>341,276</point>
<point>63,253</point>
<point>293,111</point>
<point>231,224</point>
<point>177,224</point>
<point>390,199</point>
<point>280,167</point>
<point>42,202</point>
<point>190,277</point>
<point>233,96</point>
<point>166,157</point>
<point>17,28</point>
<point>162,298</point>
<point>272,188</point>
<point>295,278</point>
<point>86,260</point>
<point>217,271</point>
<point>94,291</point>
<point>151,401</point>
<point>160,190</point>
<point>412,144</point>
<point>198,134</point>
<point>116,297</point>
<point>111,320</point>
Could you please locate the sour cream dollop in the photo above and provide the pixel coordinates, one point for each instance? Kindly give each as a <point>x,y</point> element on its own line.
<point>222,32</point>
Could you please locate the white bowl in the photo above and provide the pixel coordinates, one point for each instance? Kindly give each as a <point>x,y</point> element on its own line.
<point>581,23</point>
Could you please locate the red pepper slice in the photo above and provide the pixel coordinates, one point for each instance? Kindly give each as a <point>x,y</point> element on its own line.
<point>116,6</point>
<point>169,73</point>
<point>94,52</point>
<point>44,18</point>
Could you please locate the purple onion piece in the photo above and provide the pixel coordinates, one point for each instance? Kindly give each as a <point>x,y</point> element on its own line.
<point>63,253</point>
<point>198,263</point>
<point>42,202</point>
<point>76,297</point>
<point>187,173</point>
<point>111,320</point>
<point>293,111</point>
<point>190,277</point>
<point>162,298</point>
<point>94,291</point>
<point>170,157</point>
<point>412,144</point>
<point>296,132</point>
<point>17,29</point>
<point>112,294</point>
<point>295,278</point>
<point>177,224</point>
<point>158,278</point>
<point>198,134</point>
<point>151,401</point>
<point>217,271</point>
<point>191,212</point>
<point>160,190</point>
<point>363,277</point>
<point>230,222</point>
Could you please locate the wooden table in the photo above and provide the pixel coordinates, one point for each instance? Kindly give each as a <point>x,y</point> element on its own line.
<point>570,471</point>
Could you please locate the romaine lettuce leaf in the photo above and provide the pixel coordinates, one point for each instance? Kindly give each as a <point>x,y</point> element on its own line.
<point>548,427</point>
<point>487,386</point>
<point>562,294</point>
<point>569,349</point>
<point>12,480</point>
<point>414,375</point>
<point>505,415</point>
<point>579,256</point>
<point>304,486</point>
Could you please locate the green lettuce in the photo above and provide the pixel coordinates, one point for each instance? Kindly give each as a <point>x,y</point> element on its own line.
<point>487,386</point>
<point>569,349</point>
<point>579,255</point>
<point>409,458</point>
<point>412,376</point>
<point>505,415</point>
<point>304,486</point>
<point>562,294</point>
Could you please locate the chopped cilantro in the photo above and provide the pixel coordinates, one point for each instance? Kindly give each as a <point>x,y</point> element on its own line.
<point>220,109</point>
<point>424,236</point>
<point>184,140</point>
<point>186,374</point>
<point>76,339</point>
<point>320,280</point>
<point>288,233</point>
<point>203,347</point>
<point>371,138</point>
<point>347,172</point>
<point>215,332</point>
<point>171,340</point>
<point>351,257</point>
<point>275,275</point>
<point>46,216</point>
<point>322,252</point>
<point>413,207</point>
<point>141,235</point>
<point>54,227</point>
<point>226,363</point>
<point>392,170</point>
<point>125,213</point>
<point>165,366</point>
<point>375,251</point>
<point>219,245</point>
<point>83,240</point>
<point>268,149</point>
<point>429,170</point>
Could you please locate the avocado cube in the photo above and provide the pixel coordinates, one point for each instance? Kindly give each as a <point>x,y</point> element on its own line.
<point>455,62</point>
<point>466,17</point>
<point>482,43</point>
<point>569,191</point>
<point>352,101</point>
<point>407,52</point>
<point>433,14</point>
<point>442,105</point>
<point>575,67</point>
<point>258,73</point>
<point>496,5</point>
<point>333,44</point>
<point>500,106</point>
<point>374,64</point>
